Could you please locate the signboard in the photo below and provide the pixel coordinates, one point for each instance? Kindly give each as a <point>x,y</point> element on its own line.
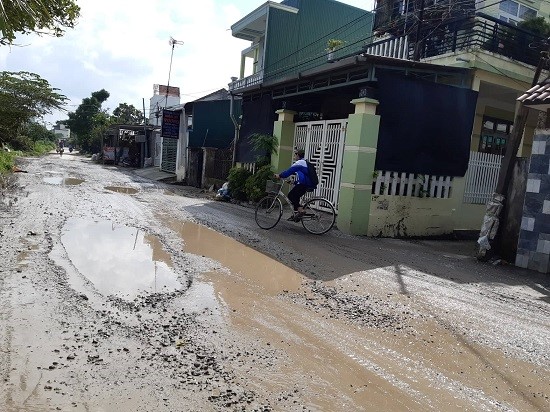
<point>109,153</point>
<point>170,124</point>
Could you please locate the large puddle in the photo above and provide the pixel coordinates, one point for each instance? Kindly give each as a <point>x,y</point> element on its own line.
<point>118,260</point>
<point>247,264</point>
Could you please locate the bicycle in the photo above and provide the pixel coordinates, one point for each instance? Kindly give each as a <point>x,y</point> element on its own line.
<point>318,218</point>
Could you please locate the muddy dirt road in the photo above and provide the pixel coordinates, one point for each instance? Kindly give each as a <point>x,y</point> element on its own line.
<point>122,294</point>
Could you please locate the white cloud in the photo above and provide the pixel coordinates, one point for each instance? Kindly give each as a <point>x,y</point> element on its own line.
<point>122,47</point>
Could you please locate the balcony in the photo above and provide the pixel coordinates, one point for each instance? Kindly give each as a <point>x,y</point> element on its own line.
<point>469,35</point>
<point>246,82</point>
<point>483,32</point>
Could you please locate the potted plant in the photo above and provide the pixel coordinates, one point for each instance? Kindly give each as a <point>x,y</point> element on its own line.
<point>332,45</point>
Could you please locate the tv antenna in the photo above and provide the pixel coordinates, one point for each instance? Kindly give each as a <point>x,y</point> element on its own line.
<point>172,42</point>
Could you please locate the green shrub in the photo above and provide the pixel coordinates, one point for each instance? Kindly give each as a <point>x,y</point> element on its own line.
<point>22,143</point>
<point>42,147</point>
<point>265,145</point>
<point>7,161</point>
<point>255,184</point>
<point>237,179</point>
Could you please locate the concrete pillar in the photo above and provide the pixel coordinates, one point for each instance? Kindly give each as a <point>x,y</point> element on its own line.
<point>283,130</point>
<point>358,168</point>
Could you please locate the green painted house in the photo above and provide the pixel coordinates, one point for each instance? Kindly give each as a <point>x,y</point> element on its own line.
<point>295,35</point>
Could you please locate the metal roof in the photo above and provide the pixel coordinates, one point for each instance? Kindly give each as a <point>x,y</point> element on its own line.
<point>538,96</point>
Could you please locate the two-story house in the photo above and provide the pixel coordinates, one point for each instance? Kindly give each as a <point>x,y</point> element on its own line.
<point>412,97</point>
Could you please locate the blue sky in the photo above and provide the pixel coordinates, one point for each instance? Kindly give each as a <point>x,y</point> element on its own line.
<point>122,46</point>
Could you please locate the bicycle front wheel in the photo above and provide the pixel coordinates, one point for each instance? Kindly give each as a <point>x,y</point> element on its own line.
<point>268,212</point>
<point>319,216</point>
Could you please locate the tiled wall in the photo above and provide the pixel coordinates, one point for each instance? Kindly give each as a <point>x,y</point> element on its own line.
<point>534,237</point>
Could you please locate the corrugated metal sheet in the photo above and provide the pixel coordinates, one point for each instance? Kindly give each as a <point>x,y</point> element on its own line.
<point>212,124</point>
<point>297,42</point>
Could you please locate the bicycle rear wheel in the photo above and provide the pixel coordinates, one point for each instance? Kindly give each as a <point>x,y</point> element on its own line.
<point>319,216</point>
<point>268,212</point>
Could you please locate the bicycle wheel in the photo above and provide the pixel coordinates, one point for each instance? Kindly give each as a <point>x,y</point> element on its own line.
<point>319,216</point>
<point>268,212</point>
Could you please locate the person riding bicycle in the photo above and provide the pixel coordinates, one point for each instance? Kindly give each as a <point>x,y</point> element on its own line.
<point>301,184</point>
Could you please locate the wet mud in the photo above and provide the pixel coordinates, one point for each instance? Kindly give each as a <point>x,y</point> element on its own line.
<point>165,301</point>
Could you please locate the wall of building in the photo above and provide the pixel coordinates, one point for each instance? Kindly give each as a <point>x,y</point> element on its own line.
<point>402,216</point>
<point>533,250</point>
<point>302,39</point>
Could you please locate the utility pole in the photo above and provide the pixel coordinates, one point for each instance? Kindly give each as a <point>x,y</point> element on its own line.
<point>495,207</point>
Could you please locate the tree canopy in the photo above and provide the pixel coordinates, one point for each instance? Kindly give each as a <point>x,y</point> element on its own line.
<point>36,16</point>
<point>537,25</point>
<point>127,114</point>
<point>89,116</point>
<point>24,96</point>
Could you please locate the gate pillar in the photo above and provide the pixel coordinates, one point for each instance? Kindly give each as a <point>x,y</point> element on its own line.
<point>358,168</point>
<point>283,130</point>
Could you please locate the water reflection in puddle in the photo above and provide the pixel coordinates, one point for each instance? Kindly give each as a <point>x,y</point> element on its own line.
<point>60,180</point>
<point>118,260</point>
<point>125,190</point>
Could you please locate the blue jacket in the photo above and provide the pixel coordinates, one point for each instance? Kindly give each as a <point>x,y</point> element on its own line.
<point>299,168</point>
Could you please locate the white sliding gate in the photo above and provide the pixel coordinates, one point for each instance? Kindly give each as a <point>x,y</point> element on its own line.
<point>323,142</point>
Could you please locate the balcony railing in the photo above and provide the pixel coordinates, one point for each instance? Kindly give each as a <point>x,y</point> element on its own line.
<point>482,32</point>
<point>245,82</point>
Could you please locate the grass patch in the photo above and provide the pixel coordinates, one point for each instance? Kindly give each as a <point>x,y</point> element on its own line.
<point>7,159</point>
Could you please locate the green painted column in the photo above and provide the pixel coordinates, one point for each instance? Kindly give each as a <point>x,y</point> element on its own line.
<point>358,167</point>
<point>283,130</point>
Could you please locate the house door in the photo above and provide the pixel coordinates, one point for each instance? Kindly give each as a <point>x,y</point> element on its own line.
<point>157,150</point>
<point>323,142</point>
<point>169,155</point>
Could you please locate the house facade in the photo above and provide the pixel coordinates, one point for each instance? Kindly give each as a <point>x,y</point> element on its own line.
<point>62,132</point>
<point>472,50</point>
<point>163,97</point>
<point>210,124</point>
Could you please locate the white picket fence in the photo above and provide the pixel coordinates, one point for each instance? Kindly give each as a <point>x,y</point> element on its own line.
<point>410,184</point>
<point>481,177</point>
<point>480,181</point>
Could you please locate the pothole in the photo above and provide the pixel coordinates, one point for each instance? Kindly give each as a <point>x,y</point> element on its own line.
<point>60,180</point>
<point>121,189</point>
<point>119,260</point>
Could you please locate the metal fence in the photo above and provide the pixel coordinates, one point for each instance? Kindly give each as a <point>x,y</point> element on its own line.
<point>481,177</point>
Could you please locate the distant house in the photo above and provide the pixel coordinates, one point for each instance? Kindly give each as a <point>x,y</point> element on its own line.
<point>211,123</point>
<point>204,147</point>
<point>163,97</point>
<point>127,145</point>
<point>62,132</point>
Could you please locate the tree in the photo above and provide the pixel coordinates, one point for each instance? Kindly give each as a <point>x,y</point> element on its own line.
<point>37,132</point>
<point>84,119</point>
<point>127,114</point>
<point>24,96</point>
<point>36,16</point>
<point>537,25</point>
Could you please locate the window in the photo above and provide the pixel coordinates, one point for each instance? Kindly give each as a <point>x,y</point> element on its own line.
<point>510,7</point>
<point>526,13</point>
<point>494,135</point>
<point>513,12</point>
